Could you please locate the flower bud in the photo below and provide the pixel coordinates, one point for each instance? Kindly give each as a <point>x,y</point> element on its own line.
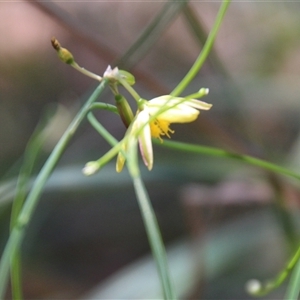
<point>253,286</point>
<point>90,168</point>
<point>124,110</point>
<point>64,54</point>
<point>128,77</point>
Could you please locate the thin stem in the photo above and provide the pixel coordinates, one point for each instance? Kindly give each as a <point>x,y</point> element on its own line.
<point>205,51</point>
<point>18,232</point>
<point>104,106</point>
<point>148,215</point>
<point>293,289</point>
<point>223,153</point>
<point>154,237</point>
<point>16,276</point>
<point>150,223</point>
<point>130,90</point>
<point>31,153</point>
<point>271,285</point>
<point>86,72</point>
<point>282,213</point>
<point>198,30</point>
<point>294,285</point>
<point>101,130</point>
<point>103,160</point>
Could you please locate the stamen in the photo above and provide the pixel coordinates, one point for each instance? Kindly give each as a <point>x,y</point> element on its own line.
<point>160,128</point>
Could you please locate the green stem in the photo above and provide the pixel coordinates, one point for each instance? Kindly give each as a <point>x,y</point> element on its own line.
<point>101,130</point>
<point>154,237</point>
<point>86,72</point>
<point>152,228</point>
<point>30,155</point>
<point>150,223</point>
<point>130,89</point>
<point>200,35</point>
<point>16,276</point>
<point>18,232</point>
<point>293,289</point>
<point>104,106</point>
<point>107,157</point>
<point>282,213</point>
<point>271,285</point>
<point>294,284</point>
<point>223,153</point>
<point>205,51</point>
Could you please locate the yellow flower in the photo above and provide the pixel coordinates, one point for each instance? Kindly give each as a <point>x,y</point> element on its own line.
<point>140,130</point>
<point>173,110</point>
<point>153,120</point>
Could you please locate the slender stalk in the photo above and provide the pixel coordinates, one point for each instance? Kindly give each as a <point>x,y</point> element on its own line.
<point>130,90</point>
<point>104,106</point>
<point>31,153</point>
<point>16,276</point>
<point>282,213</point>
<point>197,29</point>
<point>152,228</point>
<point>154,237</point>
<point>223,153</point>
<point>205,51</point>
<point>18,232</point>
<point>101,130</point>
<point>270,285</point>
<point>150,223</point>
<point>293,289</point>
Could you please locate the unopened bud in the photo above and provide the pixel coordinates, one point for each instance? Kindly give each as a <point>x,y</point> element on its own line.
<point>204,91</point>
<point>90,168</point>
<point>64,54</point>
<point>128,77</point>
<point>253,286</point>
<point>124,110</point>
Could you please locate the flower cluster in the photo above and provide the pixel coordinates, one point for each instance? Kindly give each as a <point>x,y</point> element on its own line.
<point>152,118</point>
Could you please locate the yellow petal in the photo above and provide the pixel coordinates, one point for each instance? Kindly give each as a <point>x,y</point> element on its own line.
<point>145,142</point>
<point>199,104</point>
<point>178,110</point>
<point>182,114</point>
<point>121,159</point>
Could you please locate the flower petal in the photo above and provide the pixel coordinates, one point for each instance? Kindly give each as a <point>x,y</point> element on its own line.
<point>199,104</point>
<point>179,110</point>
<point>145,142</point>
<point>183,114</point>
<point>121,159</point>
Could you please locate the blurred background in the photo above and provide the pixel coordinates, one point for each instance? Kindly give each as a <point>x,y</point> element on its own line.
<point>223,222</point>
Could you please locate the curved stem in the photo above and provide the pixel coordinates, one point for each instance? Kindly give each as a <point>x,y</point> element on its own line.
<point>101,130</point>
<point>205,51</point>
<point>31,153</point>
<point>294,285</point>
<point>223,153</point>
<point>271,285</point>
<point>104,106</point>
<point>130,90</point>
<point>18,232</point>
